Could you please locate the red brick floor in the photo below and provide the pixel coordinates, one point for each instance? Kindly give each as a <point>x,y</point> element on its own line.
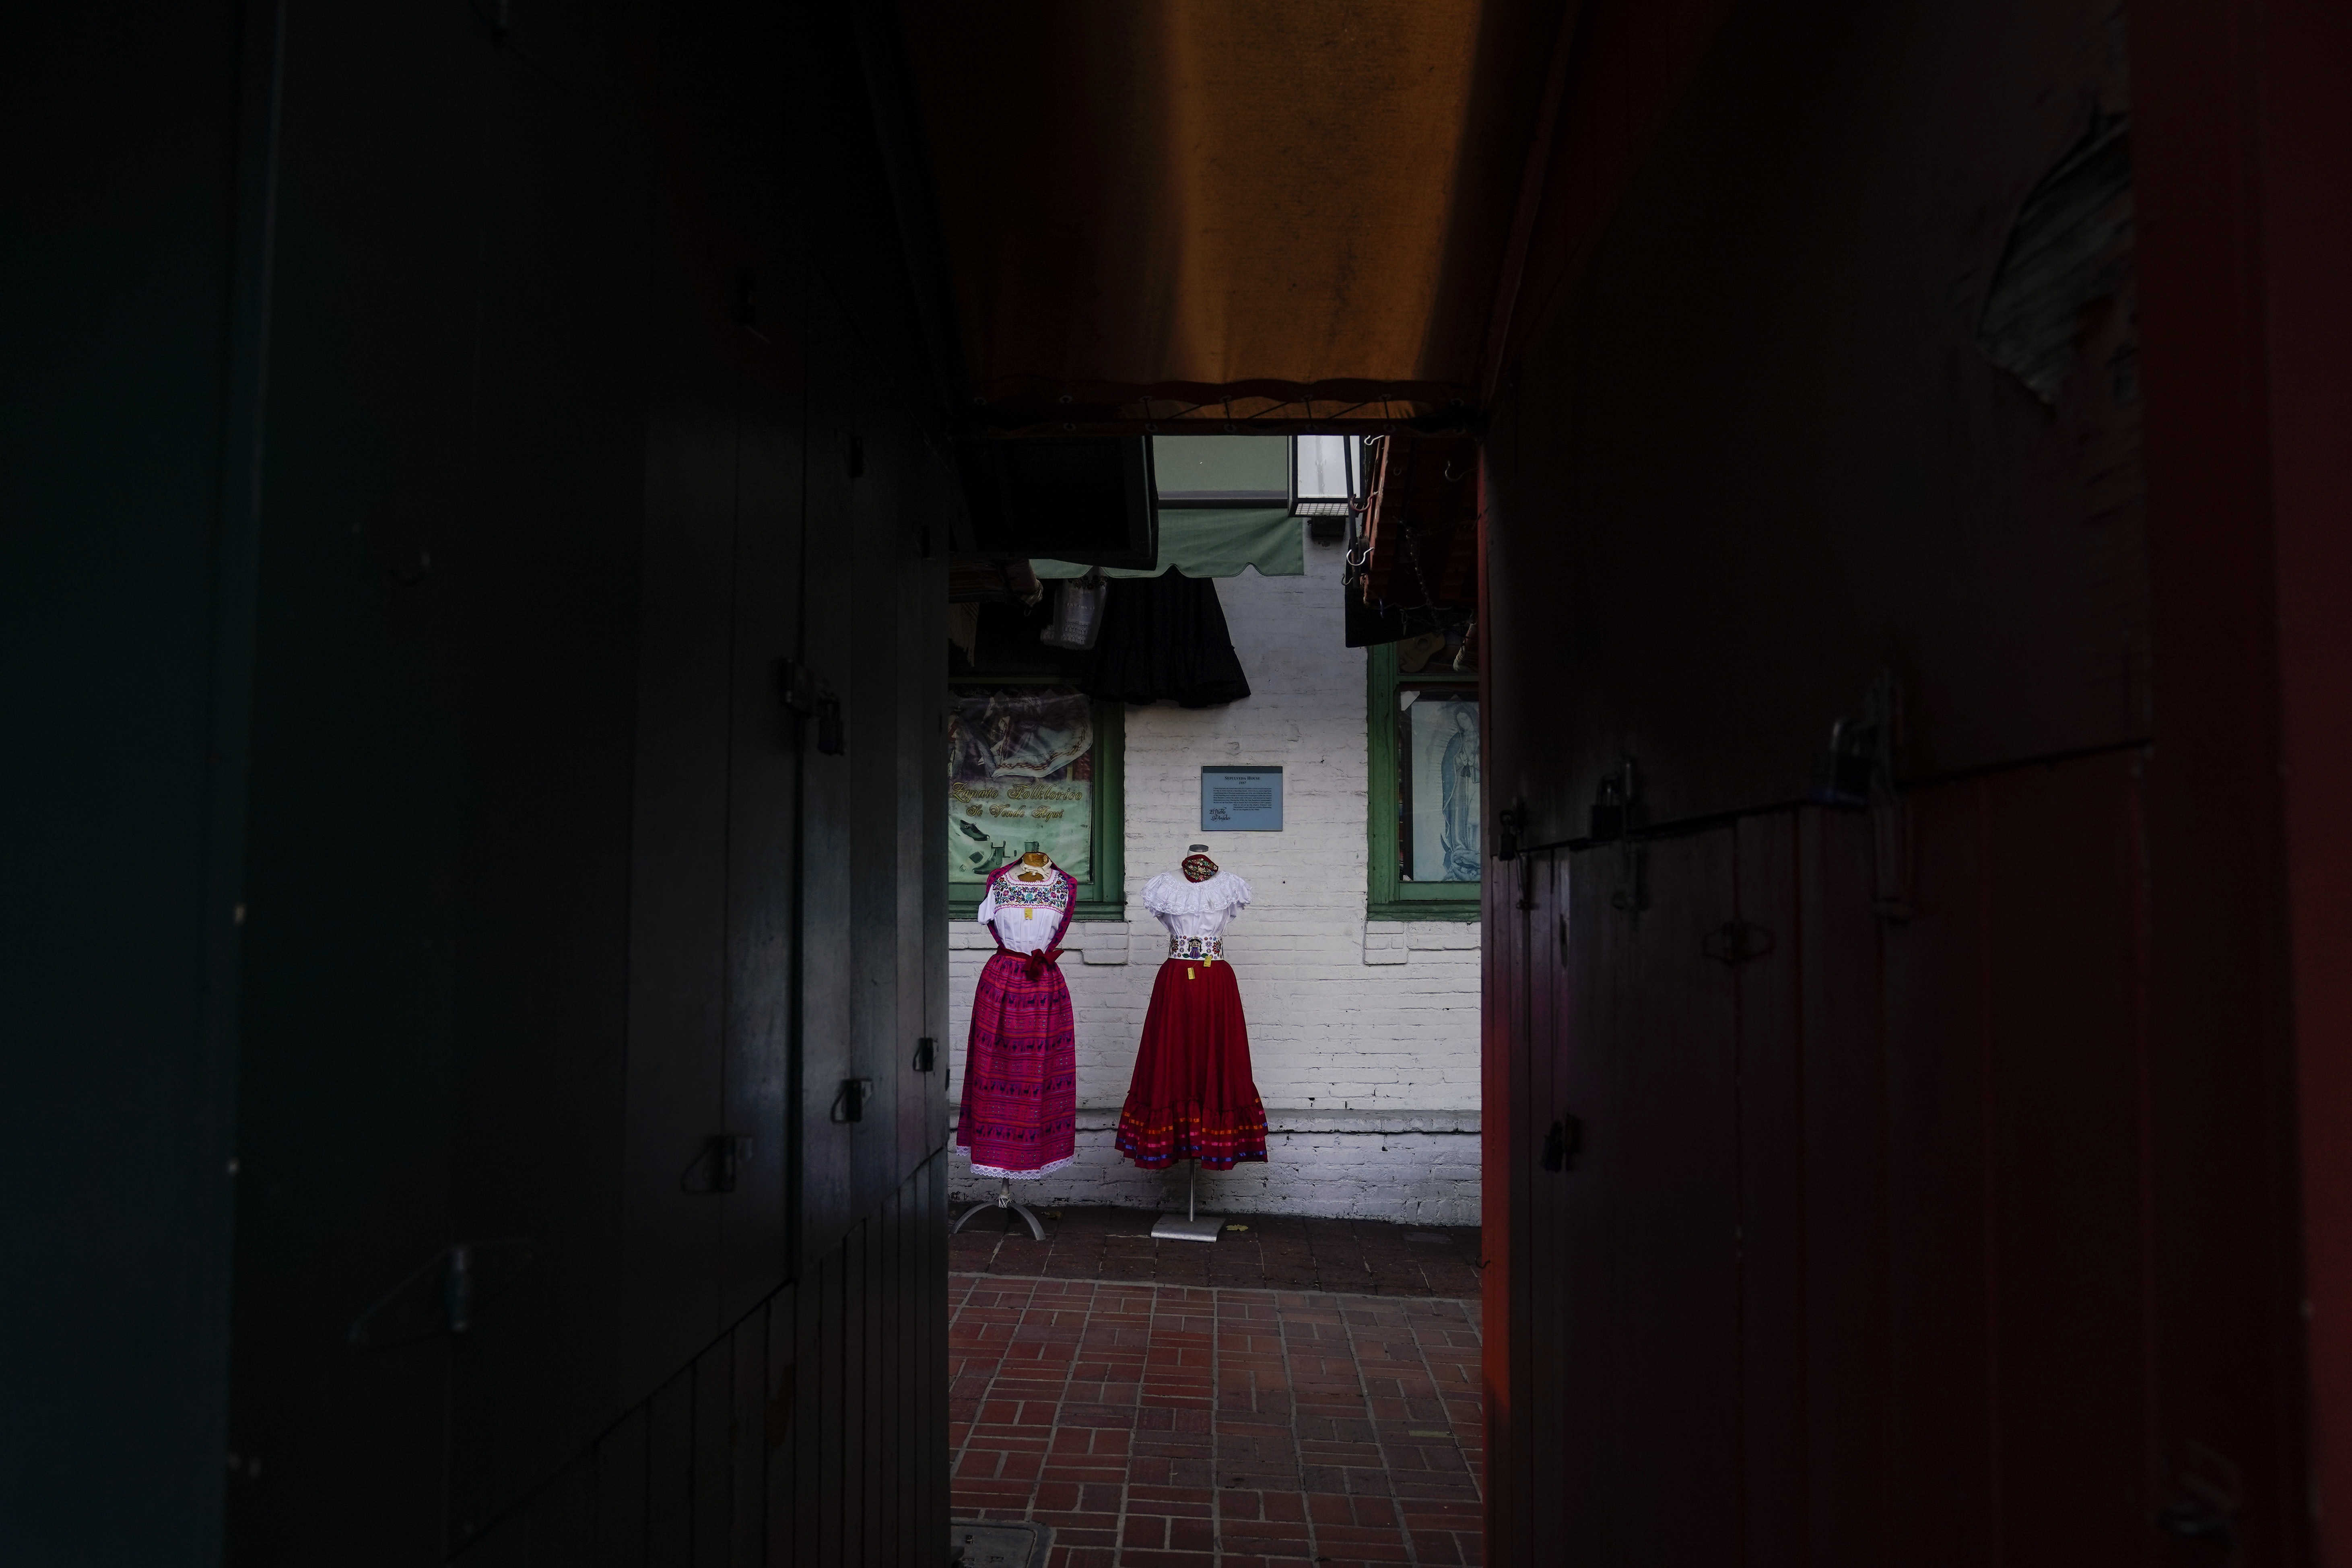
<point>1170,1425</point>
<point>1278,1252</point>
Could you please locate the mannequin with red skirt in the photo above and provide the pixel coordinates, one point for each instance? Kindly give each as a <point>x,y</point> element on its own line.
<point>1193,1096</point>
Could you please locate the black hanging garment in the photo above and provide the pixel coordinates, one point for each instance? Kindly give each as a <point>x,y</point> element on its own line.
<point>1165,637</point>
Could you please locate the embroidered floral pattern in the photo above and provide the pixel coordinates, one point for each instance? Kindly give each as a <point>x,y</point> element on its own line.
<point>1054,893</point>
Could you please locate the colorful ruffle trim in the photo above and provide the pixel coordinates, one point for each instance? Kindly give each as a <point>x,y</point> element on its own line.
<point>1160,1138</point>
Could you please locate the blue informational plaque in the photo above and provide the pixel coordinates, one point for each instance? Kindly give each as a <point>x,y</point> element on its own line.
<point>1241,800</point>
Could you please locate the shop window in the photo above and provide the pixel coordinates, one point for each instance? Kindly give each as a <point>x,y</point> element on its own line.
<point>1035,763</point>
<point>1425,856</point>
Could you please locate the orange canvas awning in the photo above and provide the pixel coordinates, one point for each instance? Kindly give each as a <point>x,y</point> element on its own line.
<point>1228,210</point>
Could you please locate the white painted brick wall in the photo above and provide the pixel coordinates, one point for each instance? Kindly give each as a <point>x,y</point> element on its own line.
<point>1345,1166</point>
<point>1344,1018</point>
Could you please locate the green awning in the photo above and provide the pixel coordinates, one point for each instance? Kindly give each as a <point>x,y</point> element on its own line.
<point>1213,542</point>
<point>1193,471</point>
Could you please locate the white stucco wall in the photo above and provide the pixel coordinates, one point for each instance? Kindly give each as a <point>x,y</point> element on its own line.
<point>1364,1042</point>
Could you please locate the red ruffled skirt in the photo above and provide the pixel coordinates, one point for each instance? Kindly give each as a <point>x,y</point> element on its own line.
<point>1193,1097</point>
<point>1019,1111</point>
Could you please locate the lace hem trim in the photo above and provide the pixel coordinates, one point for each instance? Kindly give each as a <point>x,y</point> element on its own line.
<point>1045,1170</point>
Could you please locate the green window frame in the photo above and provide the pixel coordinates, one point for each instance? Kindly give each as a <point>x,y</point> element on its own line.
<point>1102,896</point>
<point>1391,896</point>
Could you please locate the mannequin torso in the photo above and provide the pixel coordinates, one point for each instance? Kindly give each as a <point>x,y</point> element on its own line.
<point>1191,906</point>
<point>1028,904</point>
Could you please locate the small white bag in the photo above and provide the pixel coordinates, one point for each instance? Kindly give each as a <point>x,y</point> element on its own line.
<point>1078,612</point>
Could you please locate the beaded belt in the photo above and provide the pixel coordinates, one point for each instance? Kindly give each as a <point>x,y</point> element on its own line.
<point>1203,947</point>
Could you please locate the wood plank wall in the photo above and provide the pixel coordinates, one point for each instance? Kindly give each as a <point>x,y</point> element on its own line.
<point>1855,1249</point>
<point>790,1439</point>
<point>600,398</point>
<point>1937,1201</point>
<point>126,615</point>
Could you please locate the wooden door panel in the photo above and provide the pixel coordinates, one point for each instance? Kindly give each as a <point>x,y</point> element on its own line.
<point>1546,1002</point>
<point>552,699</point>
<point>710,1452</point>
<point>530,881</point>
<point>781,1424</point>
<point>814,1459</point>
<point>1916,1137</point>
<point>563,1528</point>
<point>2018,1380</point>
<point>677,924</point>
<point>1773,1170</point>
<point>1508,1160</point>
<point>1585,1399</point>
<point>1840,1139</point>
<point>918,700</point>
<point>1652,1319</point>
<point>747,1443</point>
<point>877,907</point>
<point>814,1431</point>
<point>763,845</point>
<point>621,1522</point>
<point>345,1054</point>
<point>833,644</point>
<point>2064,1070</point>
<point>1940,1365</point>
<point>669,1472</point>
<point>927,680</point>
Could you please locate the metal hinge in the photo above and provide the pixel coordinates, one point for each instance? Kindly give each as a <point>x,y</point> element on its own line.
<point>2197,1521</point>
<point>1736,941</point>
<point>1857,773</point>
<point>438,1299</point>
<point>1562,1144</point>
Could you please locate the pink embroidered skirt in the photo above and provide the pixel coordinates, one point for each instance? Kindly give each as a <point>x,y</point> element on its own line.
<point>1020,1109</point>
<point>1192,1097</point>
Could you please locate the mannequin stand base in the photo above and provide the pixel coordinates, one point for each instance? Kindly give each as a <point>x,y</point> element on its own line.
<point>1004,1200</point>
<point>1194,1227</point>
<point>1176,1227</point>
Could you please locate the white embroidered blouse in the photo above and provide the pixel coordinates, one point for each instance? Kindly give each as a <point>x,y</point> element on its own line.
<point>1196,909</point>
<point>1026,916</point>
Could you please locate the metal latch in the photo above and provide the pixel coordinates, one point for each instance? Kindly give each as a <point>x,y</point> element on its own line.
<point>1510,822</point>
<point>717,1163</point>
<point>849,1105</point>
<point>805,694</point>
<point>438,1299</point>
<point>1613,803</point>
<point>1562,1144</point>
<point>1842,775</point>
<point>1857,773</point>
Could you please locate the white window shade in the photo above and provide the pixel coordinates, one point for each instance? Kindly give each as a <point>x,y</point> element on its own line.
<point>1326,475</point>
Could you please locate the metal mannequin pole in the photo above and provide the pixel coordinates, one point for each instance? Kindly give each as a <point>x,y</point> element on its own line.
<point>1191,1227</point>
